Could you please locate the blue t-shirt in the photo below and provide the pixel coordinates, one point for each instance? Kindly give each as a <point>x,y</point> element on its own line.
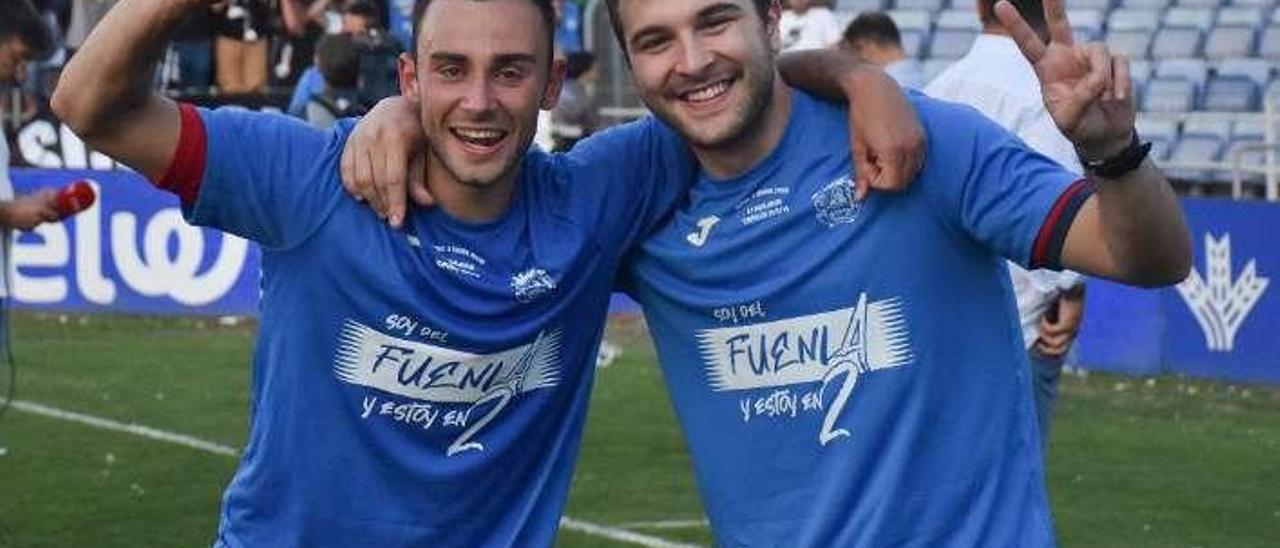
<point>424,387</point>
<point>310,83</point>
<point>851,373</point>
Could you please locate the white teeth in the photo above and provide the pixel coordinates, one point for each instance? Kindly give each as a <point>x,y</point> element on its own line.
<point>707,93</point>
<point>479,134</point>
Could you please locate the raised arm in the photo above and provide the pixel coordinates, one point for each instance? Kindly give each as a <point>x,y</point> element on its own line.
<point>1132,229</point>
<point>888,140</point>
<point>105,93</point>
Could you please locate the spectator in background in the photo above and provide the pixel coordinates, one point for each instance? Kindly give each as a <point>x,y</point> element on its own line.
<point>577,115</point>
<point>190,59</point>
<point>996,79</point>
<point>568,26</point>
<point>85,15</point>
<point>241,45</point>
<point>400,22</point>
<point>805,26</point>
<point>358,18</point>
<point>23,37</point>
<point>338,61</point>
<point>874,38</point>
<point>293,42</point>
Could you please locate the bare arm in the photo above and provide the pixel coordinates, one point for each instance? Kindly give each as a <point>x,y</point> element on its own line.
<point>1133,229</point>
<point>888,140</point>
<point>295,18</point>
<point>30,211</point>
<point>105,93</point>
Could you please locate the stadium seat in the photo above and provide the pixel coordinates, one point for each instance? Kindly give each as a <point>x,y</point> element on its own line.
<point>1248,153</point>
<point>1258,70</point>
<point>858,6</point>
<point>1169,95</point>
<point>951,43</point>
<point>1157,128</point>
<point>1207,124</point>
<point>1249,128</point>
<point>918,20</point>
<point>1262,3</point>
<point>1102,5</point>
<point>1133,19</point>
<point>1086,22</point>
<point>1145,4</point>
<point>1176,43</point>
<point>1133,43</point>
<point>1230,94</point>
<point>1240,16</point>
<point>1140,71</point>
<point>1199,3</point>
<point>1229,42</point>
<point>1269,43</point>
<point>1199,18</point>
<point>958,20</point>
<point>913,43</point>
<point>1194,149</point>
<point>1161,133</point>
<point>1194,70</point>
<point>926,5</point>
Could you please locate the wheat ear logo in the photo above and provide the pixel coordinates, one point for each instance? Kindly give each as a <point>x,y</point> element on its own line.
<point>1221,304</point>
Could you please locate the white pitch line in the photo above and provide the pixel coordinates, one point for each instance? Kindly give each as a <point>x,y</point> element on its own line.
<point>621,535</point>
<point>128,428</point>
<point>192,442</point>
<point>667,524</point>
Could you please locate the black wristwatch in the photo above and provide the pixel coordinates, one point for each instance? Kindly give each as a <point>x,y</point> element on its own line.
<point>1119,164</point>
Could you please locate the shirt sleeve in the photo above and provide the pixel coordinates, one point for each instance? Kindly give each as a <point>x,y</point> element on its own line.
<point>264,177</point>
<point>634,175</point>
<point>1001,193</point>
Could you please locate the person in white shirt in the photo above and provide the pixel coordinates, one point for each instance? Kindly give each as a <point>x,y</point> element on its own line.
<point>23,37</point>
<point>996,79</point>
<point>808,27</point>
<point>873,37</point>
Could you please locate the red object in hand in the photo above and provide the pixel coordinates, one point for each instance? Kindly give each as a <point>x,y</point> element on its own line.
<point>74,198</point>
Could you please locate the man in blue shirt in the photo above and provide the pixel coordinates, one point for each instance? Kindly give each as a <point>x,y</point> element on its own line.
<point>416,387</point>
<point>848,371</point>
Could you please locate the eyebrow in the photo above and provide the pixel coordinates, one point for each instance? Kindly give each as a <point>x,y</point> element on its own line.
<point>706,13</point>
<point>501,59</point>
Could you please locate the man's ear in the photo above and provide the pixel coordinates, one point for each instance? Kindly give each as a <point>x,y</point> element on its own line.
<point>551,94</point>
<point>407,69</point>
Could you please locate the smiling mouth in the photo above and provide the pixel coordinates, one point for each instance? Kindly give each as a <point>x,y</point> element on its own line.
<point>707,93</point>
<point>478,138</point>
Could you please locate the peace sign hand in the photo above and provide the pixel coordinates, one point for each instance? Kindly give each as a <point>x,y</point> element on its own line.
<point>1086,89</point>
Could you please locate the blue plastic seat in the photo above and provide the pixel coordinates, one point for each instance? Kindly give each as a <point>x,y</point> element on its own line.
<point>1230,94</point>
<point>927,5</point>
<point>1194,70</point>
<point>1133,43</point>
<point>1225,42</point>
<point>1169,95</point>
<point>1269,43</point>
<point>1258,70</point>
<point>1176,43</point>
<point>1194,149</point>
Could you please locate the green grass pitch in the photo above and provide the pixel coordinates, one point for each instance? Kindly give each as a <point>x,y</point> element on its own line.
<point>1164,462</point>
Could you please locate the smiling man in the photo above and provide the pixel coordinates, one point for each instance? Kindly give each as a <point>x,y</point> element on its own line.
<point>849,371</point>
<point>416,387</point>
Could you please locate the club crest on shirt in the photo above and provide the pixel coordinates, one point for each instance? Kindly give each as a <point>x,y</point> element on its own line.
<point>532,284</point>
<point>835,204</point>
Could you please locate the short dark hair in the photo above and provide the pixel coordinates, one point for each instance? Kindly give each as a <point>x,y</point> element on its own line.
<point>544,8</point>
<point>1032,11</point>
<point>364,8</point>
<point>875,27</point>
<point>18,18</point>
<point>762,8</point>
<point>578,63</point>
<point>338,60</point>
